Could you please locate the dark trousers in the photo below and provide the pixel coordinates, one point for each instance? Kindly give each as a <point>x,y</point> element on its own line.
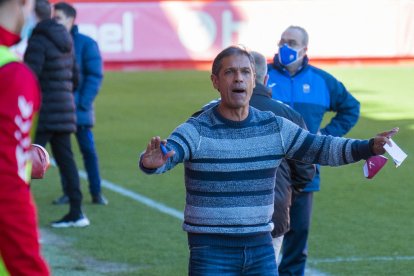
<point>62,152</point>
<point>295,242</point>
<point>86,144</point>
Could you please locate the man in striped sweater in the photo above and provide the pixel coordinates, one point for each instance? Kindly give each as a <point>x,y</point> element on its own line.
<point>231,153</point>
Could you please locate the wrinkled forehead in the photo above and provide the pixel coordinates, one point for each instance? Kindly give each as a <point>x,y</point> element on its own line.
<point>292,36</point>
<point>236,61</point>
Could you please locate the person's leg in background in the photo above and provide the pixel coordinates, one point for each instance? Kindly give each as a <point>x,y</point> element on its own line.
<point>84,136</point>
<point>62,152</point>
<point>86,143</point>
<point>295,243</point>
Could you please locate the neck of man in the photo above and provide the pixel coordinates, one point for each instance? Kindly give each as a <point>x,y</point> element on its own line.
<point>234,114</point>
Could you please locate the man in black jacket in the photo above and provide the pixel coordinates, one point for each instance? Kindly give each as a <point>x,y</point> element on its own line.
<point>292,175</point>
<point>50,55</point>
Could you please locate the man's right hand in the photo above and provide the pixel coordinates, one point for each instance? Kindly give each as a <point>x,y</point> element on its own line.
<point>153,157</point>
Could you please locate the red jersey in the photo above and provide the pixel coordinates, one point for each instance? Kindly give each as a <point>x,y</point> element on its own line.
<point>19,104</point>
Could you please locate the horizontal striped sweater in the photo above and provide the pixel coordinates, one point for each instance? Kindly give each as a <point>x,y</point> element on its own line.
<point>230,167</point>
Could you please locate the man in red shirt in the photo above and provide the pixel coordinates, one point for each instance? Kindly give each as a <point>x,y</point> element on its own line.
<point>19,104</point>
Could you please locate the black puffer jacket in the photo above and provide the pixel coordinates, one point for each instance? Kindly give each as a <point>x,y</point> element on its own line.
<point>50,55</point>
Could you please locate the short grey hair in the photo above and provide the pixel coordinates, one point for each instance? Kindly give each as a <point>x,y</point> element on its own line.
<point>260,66</point>
<point>230,51</point>
<point>303,31</point>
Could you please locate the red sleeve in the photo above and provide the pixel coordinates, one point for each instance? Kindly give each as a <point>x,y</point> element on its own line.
<point>19,237</point>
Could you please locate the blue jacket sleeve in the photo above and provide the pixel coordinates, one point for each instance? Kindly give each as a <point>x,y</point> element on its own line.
<point>92,70</point>
<point>345,106</point>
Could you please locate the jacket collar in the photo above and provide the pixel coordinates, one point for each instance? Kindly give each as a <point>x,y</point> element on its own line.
<point>280,67</point>
<point>74,30</point>
<point>262,90</point>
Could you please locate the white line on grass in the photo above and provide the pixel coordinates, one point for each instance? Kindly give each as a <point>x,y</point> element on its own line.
<point>362,259</point>
<point>135,196</point>
<point>140,198</point>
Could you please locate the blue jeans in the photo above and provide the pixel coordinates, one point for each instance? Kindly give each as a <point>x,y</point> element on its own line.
<point>295,242</point>
<point>232,261</point>
<point>86,144</point>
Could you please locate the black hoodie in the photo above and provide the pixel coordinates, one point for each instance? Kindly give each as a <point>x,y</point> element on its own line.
<point>50,55</point>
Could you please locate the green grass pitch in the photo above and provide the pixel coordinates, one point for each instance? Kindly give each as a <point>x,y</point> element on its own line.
<point>359,227</point>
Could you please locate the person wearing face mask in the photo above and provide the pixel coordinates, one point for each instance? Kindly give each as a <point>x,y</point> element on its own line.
<point>312,92</point>
<point>19,104</point>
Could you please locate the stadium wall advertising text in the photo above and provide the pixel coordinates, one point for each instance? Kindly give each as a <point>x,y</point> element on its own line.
<point>195,31</point>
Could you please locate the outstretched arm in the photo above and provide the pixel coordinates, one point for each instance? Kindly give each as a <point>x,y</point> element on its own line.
<point>329,150</point>
<point>178,148</point>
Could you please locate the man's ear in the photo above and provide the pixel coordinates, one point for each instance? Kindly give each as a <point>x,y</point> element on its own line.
<point>214,81</point>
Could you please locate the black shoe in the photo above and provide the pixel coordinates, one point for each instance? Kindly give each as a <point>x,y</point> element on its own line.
<point>99,199</point>
<point>70,221</point>
<point>61,200</point>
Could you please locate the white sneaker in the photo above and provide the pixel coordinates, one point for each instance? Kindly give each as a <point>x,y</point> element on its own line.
<point>68,221</point>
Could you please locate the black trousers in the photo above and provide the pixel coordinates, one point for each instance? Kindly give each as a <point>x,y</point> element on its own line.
<point>62,152</point>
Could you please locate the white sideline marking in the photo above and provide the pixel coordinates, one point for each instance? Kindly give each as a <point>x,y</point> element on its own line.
<point>361,259</point>
<point>144,200</point>
<point>135,196</point>
<point>140,198</point>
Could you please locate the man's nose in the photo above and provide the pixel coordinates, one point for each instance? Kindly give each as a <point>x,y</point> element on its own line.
<point>238,77</point>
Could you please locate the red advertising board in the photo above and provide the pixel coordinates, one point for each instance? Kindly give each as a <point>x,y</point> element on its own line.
<point>179,33</point>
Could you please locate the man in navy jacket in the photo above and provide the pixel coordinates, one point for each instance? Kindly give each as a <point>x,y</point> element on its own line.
<point>89,61</point>
<point>312,92</point>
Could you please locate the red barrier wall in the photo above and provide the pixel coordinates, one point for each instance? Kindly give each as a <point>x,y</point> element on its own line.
<point>188,34</point>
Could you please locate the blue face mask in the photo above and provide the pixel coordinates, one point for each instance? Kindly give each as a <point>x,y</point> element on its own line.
<point>287,55</point>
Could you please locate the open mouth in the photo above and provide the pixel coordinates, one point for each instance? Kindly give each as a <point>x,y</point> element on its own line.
<point>239,90</point>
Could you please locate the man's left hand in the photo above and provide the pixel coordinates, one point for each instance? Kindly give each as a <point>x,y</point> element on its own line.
<point>381,139</point>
